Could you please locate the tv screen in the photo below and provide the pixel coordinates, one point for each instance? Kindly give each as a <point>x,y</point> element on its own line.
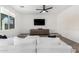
<point>39,21</point>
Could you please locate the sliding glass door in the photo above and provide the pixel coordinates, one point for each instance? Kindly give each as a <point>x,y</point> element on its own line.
<point>6,22</point>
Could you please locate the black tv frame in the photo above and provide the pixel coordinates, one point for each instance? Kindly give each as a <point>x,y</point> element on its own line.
<point>39,22</point>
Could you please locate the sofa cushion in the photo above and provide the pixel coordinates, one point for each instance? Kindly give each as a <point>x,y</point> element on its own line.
<point>26,43</point>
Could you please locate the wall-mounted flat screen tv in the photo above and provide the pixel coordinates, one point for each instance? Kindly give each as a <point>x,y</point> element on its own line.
<point>39,21</point>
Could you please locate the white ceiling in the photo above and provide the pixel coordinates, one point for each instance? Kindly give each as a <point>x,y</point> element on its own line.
<point>31,9</point>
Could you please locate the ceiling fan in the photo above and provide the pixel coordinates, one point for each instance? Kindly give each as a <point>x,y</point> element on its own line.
<point>44,9</point>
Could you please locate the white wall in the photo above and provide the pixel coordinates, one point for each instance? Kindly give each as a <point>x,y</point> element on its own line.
<point>68,23</point>
<point>28,22</point>
<point>12,32</point>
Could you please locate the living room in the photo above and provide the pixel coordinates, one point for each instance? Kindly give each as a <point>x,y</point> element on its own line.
<point>25,22</point>
<point>28,19</point>
<point>61,19</point>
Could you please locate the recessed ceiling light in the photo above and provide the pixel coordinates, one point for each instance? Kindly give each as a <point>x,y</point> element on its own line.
<point>22,6</point>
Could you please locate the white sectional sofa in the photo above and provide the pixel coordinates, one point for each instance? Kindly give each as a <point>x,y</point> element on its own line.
<point>52,45</point>
<point>34,44</point>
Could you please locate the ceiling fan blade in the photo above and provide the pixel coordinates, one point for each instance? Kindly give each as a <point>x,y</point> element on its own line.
<point>39,9</point>
<point>46,10</point>
<point>49,8</point>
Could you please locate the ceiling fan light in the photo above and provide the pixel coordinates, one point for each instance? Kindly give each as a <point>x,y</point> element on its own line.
<point>43,11</point>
